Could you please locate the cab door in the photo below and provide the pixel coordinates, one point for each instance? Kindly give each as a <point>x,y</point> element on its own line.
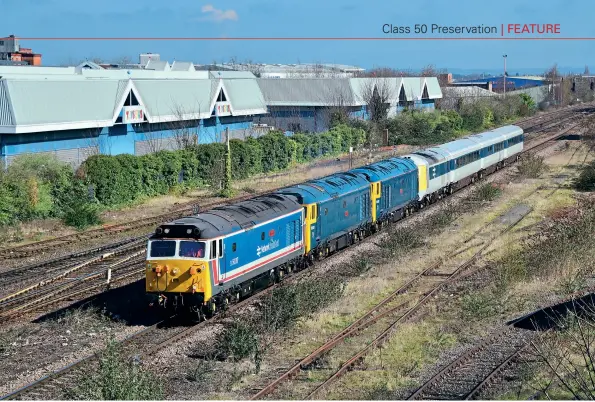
<point>218,261</point>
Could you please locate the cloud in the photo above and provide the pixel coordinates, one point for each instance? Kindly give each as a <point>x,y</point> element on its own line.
<point>217,15</point>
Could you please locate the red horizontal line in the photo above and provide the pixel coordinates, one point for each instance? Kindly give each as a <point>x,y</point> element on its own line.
<point>306,38</point>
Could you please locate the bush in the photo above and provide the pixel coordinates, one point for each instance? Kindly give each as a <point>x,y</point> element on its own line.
<point>486,192</point>
<point>584,182</point>
<point>81,214</point>
<point>238,341</point>
<point>117,379</point>
<point>532,166</point>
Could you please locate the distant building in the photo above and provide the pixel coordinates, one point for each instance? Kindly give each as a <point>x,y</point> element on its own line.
<point>11,51</point>
<point>307,104</point>
<point>294,70</point>
<point>512,83</point>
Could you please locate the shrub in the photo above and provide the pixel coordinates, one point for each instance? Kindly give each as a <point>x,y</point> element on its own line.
<point>532,166</point>
<point>82,214</point>
<point>117,379</point>
<point>486,192</point>
<point>586,180</point>
<point>238,340</point>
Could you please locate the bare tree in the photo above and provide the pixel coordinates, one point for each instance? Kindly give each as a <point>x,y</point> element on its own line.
<point>568,354</point>
<point>122,60</point>
<point>377,93</point>
<point>185,128</point>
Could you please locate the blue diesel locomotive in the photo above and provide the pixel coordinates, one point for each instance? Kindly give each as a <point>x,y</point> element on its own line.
<point>205,261</point>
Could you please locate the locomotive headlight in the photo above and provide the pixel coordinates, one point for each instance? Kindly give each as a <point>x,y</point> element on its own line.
<point>174,271</point>
<point>166,230</point>
<point>188,231</point>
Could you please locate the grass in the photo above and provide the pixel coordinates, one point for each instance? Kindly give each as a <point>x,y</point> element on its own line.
<point>117,379</point>
<point>411,348</point>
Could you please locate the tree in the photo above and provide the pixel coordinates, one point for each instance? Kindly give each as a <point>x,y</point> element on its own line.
<point>377,93</point>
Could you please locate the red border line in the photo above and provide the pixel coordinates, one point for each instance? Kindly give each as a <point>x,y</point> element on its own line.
<point>299,38</point>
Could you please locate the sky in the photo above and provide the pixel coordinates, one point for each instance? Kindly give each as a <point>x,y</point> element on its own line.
<point>302,18</point>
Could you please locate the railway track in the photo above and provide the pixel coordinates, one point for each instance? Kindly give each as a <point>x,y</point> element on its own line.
<point>140,345</point>
<point>389,307</point>
<point>377,325</point>
<point>52,382</point>
<point>91,273</point>
<point>55,243</point>
<point>74,281</point>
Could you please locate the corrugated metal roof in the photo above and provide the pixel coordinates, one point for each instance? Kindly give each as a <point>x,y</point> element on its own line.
<point>358,87</point>
<point>413,88</point>
<point>306,92</point>
<point>158,65</point>
<point>231,74</point>
<point>173,99</point>
<point>51,102</point>
<point>122,85</point>
<point>182,66</point>
<point>434,91</point>
<point>245,96</point>
<point>6,118</point>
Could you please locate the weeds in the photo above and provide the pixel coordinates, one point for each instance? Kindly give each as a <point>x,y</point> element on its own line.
<point>360,266</point>
<point>278,312</point>
<point>401,241</point>
<point>586,180</point>
<point>443,218</point>
<point>532,166</point>
<point>201,372</point>
<point>478,305</point>
<point>117,379</point>
<point>486,192</point>
<point>249,190</point>
<point>238,341</point>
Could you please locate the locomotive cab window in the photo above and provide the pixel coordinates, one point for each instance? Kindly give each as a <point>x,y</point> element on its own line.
<point>220,248</point>
<point>194,249</point>
<point>163,248</point>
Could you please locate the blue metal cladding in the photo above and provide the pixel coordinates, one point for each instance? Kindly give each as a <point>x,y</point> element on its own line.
<point>251,249</point>
<point>399,183</point>
<point>344,208</point>
<point>341,214</point>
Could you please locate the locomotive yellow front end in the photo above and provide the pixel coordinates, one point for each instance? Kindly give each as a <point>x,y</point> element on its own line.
<point>177,271</point>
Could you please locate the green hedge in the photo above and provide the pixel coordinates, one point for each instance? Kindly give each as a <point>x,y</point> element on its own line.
<point>123,179</point>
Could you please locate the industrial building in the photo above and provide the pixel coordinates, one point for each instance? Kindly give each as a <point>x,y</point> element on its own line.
<point>76,112</point>
<point>496,84</point>
<point>306,104</point>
